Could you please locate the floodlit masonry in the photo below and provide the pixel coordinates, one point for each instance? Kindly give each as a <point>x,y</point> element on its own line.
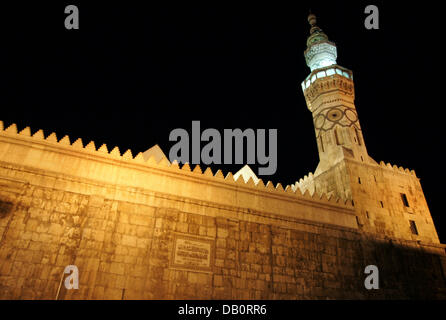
<point>140,227</point>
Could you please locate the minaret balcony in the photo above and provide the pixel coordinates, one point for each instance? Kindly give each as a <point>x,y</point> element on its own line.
<point>330,71</point>
<point>329,80</point>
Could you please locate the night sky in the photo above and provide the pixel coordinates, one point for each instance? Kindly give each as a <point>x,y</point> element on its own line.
<point>133,73</point>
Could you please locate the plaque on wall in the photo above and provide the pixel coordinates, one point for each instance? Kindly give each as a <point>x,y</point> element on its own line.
<point>192,253</point>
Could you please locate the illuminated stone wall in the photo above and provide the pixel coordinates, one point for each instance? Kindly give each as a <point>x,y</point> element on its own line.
<point>141,230</point>
<point>377,192</point>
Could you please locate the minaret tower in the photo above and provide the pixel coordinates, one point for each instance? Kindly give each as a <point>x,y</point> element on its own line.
<point>388,200</point>
<point>329,94</point>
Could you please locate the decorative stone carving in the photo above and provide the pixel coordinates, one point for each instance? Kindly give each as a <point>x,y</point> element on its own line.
<point>324,85</point>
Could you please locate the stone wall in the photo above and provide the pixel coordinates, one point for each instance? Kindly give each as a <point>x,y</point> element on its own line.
<point>124,250</point>
<point>141,230</point>
<point>377,191</point>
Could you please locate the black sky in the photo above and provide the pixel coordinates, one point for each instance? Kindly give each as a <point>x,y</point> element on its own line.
<point>134,72</point>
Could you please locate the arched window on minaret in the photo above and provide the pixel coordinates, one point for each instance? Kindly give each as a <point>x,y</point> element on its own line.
<point>338,136</point>
<point>321,143</point>
<point>358,136</point>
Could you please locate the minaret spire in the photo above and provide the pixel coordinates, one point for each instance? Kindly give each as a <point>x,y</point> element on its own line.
<point>320,51</point>
<point>312,21</point>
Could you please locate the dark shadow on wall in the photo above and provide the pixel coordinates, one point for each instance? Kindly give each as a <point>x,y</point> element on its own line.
<point>5,208</point>
<point>404,272</point>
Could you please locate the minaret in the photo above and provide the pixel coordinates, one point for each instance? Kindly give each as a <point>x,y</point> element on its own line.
<point>388,200</point>
<point>329,94</point>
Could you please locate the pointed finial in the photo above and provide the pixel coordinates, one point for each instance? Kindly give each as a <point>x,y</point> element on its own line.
<point>316,33</point>
<point>312,19</point>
